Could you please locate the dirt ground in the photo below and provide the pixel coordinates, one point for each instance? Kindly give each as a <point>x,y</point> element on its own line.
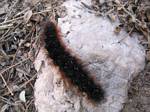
<point>20,22</point>
<point>139,93</point>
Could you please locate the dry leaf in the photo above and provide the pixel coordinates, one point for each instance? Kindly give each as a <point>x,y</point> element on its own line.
<point>22,96</point>
<point>27,16</point>
<point>112,17</point>
<point>27,44</point>
<point>117,30</point>
<point>36,18</point>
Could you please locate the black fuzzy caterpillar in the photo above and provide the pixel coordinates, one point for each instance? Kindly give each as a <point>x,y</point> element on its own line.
<point>69,65</point>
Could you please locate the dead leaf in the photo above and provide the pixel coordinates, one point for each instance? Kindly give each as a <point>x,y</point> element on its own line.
<point>112,17</point>
<point>22,96</point>
<point>27,16</point>
<point>117,30</point>
<point>37,18</point>
<point>27,44</point>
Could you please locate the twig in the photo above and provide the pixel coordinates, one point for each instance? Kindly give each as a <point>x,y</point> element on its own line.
<point>23,85</point>
<point>21,45</point>
<point>148,38</point>
<point>27,80</point>
<point>126,36</point>
<point>7,70</point>
<point>28,105</point>
<point>6,35</point>
<point>6,84</point>
<point>86,6</point>
<point>7,101</point>
<point>32,78</point>
<point>3,27</point>
<point>21,17</point>
<point>23,11</point>
<point>15,19</point>
<point>14,65</point>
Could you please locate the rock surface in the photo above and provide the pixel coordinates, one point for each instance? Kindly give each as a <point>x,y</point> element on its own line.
<point>112,62</point>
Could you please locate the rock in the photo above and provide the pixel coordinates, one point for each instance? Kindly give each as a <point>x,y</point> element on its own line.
<point>112,62</point>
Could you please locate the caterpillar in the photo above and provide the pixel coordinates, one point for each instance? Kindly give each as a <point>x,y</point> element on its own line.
<point>69,65</point>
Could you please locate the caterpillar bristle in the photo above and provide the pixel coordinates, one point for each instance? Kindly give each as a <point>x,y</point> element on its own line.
<point>69,65</point>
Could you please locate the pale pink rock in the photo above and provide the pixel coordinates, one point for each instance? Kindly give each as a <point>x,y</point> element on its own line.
<point>93,40</point>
